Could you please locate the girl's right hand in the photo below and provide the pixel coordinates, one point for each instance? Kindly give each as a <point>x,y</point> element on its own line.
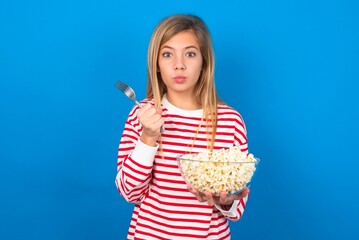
<point>151,121</point>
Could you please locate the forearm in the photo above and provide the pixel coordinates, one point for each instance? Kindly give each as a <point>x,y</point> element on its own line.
<point>135,172</point>
<point>235,211</point>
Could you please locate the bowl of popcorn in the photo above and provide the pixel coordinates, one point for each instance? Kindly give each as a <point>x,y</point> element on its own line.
<point>226,170</point>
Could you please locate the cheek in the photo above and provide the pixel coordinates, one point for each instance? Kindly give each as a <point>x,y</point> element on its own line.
<point>200,65</point>
<point>162,70</point>
<point>199,68</point>
<point>164,73</point>
<point>162,66</point>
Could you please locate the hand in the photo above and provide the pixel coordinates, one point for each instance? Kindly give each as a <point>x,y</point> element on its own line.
<point>151,121</point>
<point>222,199</point>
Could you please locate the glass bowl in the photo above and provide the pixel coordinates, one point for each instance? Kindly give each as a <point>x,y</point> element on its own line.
<point>206,174</point>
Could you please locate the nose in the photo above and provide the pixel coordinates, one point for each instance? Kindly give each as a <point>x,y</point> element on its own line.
<point>179,64</point>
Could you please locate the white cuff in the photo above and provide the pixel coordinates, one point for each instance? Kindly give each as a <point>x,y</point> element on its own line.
<point>144,154</point>
<point>231,212</point>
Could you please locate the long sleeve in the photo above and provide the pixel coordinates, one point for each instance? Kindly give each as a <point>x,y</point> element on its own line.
<point>235,211</point>
<point>135,161</point>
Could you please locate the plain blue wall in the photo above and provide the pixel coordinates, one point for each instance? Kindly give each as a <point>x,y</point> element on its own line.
<point>290,68</point>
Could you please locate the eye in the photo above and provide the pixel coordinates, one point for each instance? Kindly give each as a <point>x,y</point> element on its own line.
<point>166,54</point>
<point>191,54</point>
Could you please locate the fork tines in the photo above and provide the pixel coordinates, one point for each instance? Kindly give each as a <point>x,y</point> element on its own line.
<point>122,86</point>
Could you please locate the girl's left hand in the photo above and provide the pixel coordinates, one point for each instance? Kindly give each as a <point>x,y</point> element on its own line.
<point>222,199</point>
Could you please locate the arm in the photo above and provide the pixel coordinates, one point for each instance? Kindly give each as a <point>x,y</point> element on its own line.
<point>135,161</point>
<point>235,210</point>
<point>233,207</point>
<point>137,150</point>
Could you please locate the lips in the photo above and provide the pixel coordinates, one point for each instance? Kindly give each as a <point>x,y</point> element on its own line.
<point>179,79</point>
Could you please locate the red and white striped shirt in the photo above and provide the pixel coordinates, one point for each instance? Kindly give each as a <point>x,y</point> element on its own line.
<point>150,178</point>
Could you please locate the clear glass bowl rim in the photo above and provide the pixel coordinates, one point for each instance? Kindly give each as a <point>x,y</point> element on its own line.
<point>204,161</point>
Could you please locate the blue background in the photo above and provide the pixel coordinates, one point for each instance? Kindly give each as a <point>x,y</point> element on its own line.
<point>290,67</point>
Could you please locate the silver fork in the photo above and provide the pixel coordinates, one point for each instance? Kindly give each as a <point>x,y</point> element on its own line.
<point>129,92</point>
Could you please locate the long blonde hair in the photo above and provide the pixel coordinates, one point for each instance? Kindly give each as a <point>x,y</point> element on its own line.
<point>205,90</point>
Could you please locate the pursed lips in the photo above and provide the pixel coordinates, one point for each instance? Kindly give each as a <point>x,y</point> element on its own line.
<point>179,79</point>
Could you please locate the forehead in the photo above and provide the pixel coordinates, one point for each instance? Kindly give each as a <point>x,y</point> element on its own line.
<point>182,40</point>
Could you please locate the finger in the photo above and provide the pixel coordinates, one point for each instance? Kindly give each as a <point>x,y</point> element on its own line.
<point>159,123</point>
<point>197,194</point>
<point>152,123</point>
<point>150,112</point>
<point>201,198</point>
<point>159,111</point>
<point>144,109</point>
<point>193,191</point>
<point>155,118</point>
<point>147,106</point>
<point>147,115</point>
<point>148,122</point>
<point>223,198</point>
<point>209,198</point>
<point>242,194</point>
<point>245,192</point>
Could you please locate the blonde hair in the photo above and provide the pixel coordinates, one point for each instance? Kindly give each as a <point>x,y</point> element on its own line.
<point>206,94</point>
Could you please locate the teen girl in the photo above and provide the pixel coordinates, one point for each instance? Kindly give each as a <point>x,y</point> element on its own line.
<point>181,97</point>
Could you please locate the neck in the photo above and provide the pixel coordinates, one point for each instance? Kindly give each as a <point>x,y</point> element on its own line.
<point>183,101</point>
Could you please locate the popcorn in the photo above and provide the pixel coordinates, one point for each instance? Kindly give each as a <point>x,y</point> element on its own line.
<point>225,170</point>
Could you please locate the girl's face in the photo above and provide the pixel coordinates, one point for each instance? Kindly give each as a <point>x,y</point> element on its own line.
<point>180,63</point>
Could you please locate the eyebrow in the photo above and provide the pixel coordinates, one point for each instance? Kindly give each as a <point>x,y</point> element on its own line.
<point>191,46</point>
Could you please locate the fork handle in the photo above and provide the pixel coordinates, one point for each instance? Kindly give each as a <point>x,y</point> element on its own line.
<point>138,104</point>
